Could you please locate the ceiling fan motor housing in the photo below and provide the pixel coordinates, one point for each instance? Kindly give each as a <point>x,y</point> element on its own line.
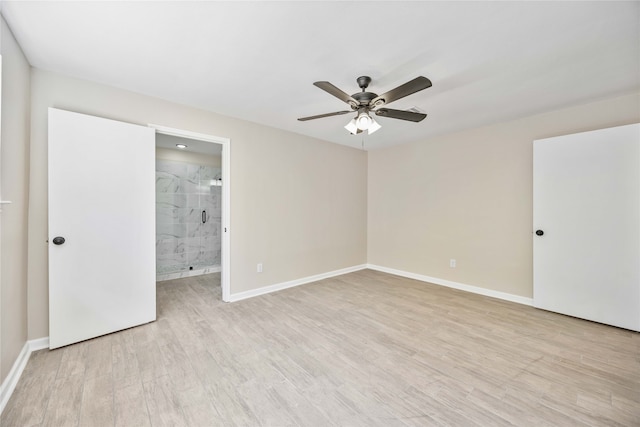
<point>364,98</point>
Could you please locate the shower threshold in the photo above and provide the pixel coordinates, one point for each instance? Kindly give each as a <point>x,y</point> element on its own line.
<point>188,273</point>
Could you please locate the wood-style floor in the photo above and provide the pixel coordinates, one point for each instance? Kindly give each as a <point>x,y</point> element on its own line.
<point>363,349</point>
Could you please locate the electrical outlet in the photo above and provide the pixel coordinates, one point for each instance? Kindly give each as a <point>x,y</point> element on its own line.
<point>452,263</point>
<point>259,268</point>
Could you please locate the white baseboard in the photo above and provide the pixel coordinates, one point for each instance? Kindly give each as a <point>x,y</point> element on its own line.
<point>9,384</point>
<point>38,344</point>
<point>285,285</point>
<point>455,285</point>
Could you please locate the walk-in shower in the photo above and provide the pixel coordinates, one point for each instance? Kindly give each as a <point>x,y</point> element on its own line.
<point>188,218</point>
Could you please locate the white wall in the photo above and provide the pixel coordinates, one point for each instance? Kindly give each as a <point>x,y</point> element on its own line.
<point>14,178</point>
<point>468,196</point>
<point>298,205</point>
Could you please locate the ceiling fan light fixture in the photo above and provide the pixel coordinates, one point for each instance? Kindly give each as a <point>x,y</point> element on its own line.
<point>374,126</point>
<point>351,126</point>
<point>364,120</point>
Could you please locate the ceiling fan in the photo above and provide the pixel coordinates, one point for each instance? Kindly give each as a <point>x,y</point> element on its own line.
<point>365,103</point>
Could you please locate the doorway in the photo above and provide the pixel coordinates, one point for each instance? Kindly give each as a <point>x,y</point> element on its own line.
<point>193,188</point>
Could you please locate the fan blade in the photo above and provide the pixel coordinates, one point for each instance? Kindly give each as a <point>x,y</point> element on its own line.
<point>401,114</point>
<point>328,87</point>
<point>413,86</point>
<point>319,116</point>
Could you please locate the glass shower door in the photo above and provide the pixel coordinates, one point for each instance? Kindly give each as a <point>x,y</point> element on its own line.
<point>208,231</point>
<point>188,218</point>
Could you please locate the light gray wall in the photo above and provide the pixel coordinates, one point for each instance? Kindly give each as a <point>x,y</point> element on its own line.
<point>14,179</point>
<point>298,205</point>
<point>469,196</point>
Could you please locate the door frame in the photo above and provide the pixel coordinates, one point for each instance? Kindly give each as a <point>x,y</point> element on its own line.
<point>225,274</point>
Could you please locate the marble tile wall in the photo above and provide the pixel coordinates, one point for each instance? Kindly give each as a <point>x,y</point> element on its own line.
<point>183,191</point>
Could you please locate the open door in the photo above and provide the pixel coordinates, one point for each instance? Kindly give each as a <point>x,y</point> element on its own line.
<point>101,226</point>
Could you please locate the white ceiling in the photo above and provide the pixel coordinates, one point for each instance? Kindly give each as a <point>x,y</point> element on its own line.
<point>488,61</point>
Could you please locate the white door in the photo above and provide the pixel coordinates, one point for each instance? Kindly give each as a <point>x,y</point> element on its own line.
<point>102,203</point>
<point>586,201</point>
